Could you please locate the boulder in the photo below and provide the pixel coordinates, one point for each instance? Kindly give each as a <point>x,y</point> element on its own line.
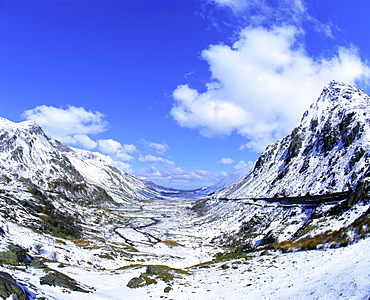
<point>9,287</point>
<point>154,270</point>
<point>135,282</point>
<point>55,278</point>
<point>15,256</point>
<point>9,258</point>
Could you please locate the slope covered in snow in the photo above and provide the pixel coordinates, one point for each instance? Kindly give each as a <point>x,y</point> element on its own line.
<point>328,151</point>
<point>25,150</point>
<point>224,183</point>
<point>73,227</point>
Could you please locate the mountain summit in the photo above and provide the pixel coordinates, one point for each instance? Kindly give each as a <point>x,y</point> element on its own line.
<point>328,151</point>
<point>314,179</point>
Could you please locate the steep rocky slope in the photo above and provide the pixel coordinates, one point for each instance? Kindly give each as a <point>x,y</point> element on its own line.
<point>328,152</point>
<point>58,190</point>
<point>74,227</point>
<point>26,151</point>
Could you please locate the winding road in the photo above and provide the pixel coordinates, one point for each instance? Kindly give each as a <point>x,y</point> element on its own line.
<point>151,239</point>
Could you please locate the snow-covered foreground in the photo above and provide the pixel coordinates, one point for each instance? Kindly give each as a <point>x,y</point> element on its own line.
<point>342,273</point>
<point>331,274</point>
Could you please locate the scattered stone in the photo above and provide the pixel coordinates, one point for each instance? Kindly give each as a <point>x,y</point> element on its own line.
<point>38,263</point>
<point>9,258</point>
<point>154,270</point>
<point>135,282</point>
<point>9,287</point>
<point>55,278</point>
<point>167,289</point>
<point>225,267</point>
<point>15,256</point>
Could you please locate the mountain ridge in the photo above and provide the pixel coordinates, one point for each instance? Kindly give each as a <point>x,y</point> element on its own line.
<point>68,214</point>
<point>26,150</point>
<point>328,152</point>
<point>332,133</point>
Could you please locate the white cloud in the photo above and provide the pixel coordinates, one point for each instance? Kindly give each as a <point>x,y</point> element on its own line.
<point>116,149</point>
<point>125,167</point>
<point>181,178</point>
<point>155,159</point>
<point>73,125</point>
<point>213,115</point>
<point>267,12</point>
<point>240,165</point>
<point>225,161</point>
<point>235,5</point>
<point>70,126</point>
<point>159,148</point>
<point>261,85</point>
<point>80,139</point>
<point>244,165</point>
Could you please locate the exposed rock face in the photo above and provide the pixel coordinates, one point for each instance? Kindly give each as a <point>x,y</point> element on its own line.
<point>15,256</point>
<point>55,278</point>
<point>329,151</point>
<point>135,282</point>
<point>9,287</point>
<point>84,176</point>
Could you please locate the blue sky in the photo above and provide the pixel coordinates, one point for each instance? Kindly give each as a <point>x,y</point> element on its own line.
<point>179,91</point>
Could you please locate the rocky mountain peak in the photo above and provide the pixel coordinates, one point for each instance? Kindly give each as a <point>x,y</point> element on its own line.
<point>328,151</point>
<point>336,98</point>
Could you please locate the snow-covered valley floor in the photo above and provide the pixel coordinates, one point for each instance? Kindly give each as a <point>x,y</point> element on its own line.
<point>342,273</point>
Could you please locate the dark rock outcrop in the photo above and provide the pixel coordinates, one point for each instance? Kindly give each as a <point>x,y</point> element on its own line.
<point>55,278</point>
<point>15,256</point>
<point>8,287</point>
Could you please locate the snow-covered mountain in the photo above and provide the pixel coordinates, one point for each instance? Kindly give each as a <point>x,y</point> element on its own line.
<point>26,151</point>
<point>72,226</point>
<point>224,183</point>
<point>328,151</point>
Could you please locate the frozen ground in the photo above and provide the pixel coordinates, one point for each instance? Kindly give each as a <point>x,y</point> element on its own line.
<point>342,273</point>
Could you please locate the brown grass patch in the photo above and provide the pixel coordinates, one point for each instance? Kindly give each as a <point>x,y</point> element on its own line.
<point>343,237</point>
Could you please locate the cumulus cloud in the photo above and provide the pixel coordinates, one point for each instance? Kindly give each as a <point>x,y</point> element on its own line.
<point>180,178</point>
<point>70,125</point>
<point>116,149</point>
<point>261,85</point>
<point>125,167</point>
<point>155,159</point>
<point>226,161</point>
<point>235,5</point>
<point>73,125</point>
<point>244,165</point>
<point>257,13</point>
<point>241,165</point>
<point>159,148</point>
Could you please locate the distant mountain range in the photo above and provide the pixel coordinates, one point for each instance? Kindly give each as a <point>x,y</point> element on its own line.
<point>26,151</point>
